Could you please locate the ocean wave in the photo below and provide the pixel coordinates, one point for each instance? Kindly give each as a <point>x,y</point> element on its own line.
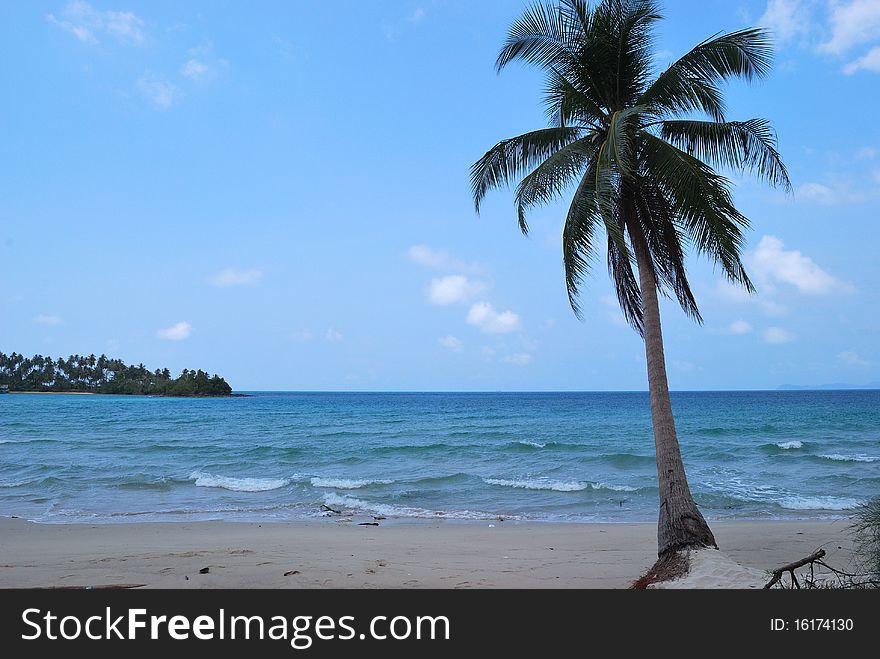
<point>238,484</point>
<point>627,459</point>
<point>850,458</point>
<point>10,484</point>
<point>351,504</point>
<point>557,486</point>
<point>790,445</point>
<point>346,483</point>
<point>161,484</point>
<point>526,442</point>
<point>613,488</point>
<point>817,503</point>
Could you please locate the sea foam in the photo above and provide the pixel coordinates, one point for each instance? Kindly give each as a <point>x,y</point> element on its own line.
<point>850,458</point>
<point>351,504</point>
<point>790,445</point>
<point>346,483</point>
<point>818,503</point>
<point>557,486</point>
<point>238,484</point>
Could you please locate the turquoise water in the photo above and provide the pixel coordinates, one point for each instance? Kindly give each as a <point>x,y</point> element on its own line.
<point>538,456</point>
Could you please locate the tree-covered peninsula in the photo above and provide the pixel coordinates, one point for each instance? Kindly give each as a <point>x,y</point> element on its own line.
<point>102,375</point>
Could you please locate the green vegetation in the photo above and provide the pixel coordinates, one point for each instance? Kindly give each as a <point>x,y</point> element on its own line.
<point>102,375</point>
<point>866,529</point>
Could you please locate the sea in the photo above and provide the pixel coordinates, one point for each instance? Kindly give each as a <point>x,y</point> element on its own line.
<point>571,457</point>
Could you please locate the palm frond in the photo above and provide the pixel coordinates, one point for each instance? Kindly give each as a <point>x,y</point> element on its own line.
<point>701,201</point>
<point>737,145</point>
<point>567,104</point>
<point>626,286</point>
<point>691,83</point>
<point>578,236</point>
<point>542,36</point>
<point>510,158</point>
<point>551,178</point>
<point>656,223</point>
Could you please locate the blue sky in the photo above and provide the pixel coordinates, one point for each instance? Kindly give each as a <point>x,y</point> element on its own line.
<point>279,192</point>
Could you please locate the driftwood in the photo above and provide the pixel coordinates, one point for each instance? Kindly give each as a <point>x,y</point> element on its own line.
<point>324,506</point>
<point>103,586</point>
<point>791,567</point>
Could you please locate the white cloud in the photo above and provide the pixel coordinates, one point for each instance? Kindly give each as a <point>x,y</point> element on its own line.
<point>870,61</point>
<point>817,192</point>
<point>732,293</point>
<point>158,91</point>
<point>440,260</point>
<point>777,335</point>
<point>177,332</point>
<point>333,335</point>
<point>236,277</point>
<point>787,19</point>
<point>193,69</point>
<point>85,23</point>
<point>775,264</point>
<point>484,316</point>
<point>843,192</point>
<point>866,153</point>
<point>852,358</point>
<point>45,319</point>
<point>852,23</point>
<point>451,343</point>
<point>454,288</point>
<point>739,327</point>
<point>418,15</point>
<point>518,359</point>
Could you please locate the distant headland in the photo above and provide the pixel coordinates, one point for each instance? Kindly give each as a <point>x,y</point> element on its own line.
<point>102,375</point>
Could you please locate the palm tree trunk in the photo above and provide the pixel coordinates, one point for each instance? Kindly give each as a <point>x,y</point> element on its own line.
<point>681,524</point>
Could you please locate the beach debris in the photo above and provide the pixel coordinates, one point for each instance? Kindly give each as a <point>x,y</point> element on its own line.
<point>382,563</point>
<point>291,572</point>
<point>791,567</point>
<point>500,518</point>
<point>186,577</point>
<point>368,524</point>
<point>328,509</point>
<point>491,526</point>
<point>205,570</point>
<point>103,586</point>
<point>378,517</point>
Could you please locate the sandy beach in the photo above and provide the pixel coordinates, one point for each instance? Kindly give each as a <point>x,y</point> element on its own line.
<point>335,554</point>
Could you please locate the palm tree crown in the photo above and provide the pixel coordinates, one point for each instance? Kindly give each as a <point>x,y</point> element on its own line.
<point>640,166</point>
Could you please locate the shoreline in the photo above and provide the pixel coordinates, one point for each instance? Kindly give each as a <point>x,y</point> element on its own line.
<point>329,554</point>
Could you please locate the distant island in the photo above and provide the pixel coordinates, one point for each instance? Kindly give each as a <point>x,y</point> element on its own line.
<point>102,375</point>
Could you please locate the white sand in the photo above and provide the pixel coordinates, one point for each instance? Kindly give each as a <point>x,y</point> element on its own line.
<point>400,555</point>
<point>711,568</point>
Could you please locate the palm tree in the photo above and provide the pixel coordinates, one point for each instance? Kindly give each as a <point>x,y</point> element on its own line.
<point>643,170</point>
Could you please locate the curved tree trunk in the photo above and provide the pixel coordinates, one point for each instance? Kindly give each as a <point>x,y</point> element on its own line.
<point>680,524</point>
